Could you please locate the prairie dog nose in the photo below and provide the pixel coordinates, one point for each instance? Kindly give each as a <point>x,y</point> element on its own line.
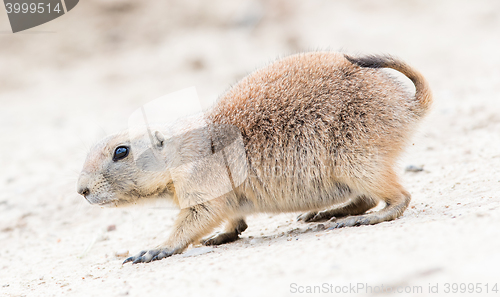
<point>82,185</point>
<point>83,191</point>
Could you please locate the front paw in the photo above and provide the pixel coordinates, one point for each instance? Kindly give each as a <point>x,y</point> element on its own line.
<point>148,256</point>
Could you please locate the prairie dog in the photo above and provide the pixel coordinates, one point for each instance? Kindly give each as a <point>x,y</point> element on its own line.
<point>320,131</point>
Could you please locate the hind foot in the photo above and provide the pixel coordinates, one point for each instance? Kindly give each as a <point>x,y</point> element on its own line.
<point>232,232</point>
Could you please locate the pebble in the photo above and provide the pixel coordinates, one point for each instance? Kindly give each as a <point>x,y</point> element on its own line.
<point>413,168</point>
<point>121,253</point>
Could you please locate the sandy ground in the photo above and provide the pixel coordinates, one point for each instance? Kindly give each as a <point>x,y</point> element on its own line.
<point>70,82</point>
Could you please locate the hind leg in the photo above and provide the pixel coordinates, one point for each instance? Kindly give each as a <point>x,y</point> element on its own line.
<point>396,203</point>
<point>231,233</point>
<point>358,206</point>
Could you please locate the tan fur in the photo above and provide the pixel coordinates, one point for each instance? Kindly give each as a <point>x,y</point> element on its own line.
<point>320,130</point>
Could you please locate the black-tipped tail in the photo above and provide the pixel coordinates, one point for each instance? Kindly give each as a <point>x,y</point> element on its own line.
<point>423,92</point>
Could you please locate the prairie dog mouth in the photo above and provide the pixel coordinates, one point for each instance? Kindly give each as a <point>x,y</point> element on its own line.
<point>115,203</point>
<point>107,203</point>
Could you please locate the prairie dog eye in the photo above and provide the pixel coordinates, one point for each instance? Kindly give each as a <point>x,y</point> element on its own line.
<point>120,153</point>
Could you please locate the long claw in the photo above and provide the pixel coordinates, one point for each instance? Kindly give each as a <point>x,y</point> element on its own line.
<point>134,258</point>
<point>138,260</point>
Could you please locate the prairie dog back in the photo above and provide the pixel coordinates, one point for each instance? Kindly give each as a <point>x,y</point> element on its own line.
<point>319,128</point>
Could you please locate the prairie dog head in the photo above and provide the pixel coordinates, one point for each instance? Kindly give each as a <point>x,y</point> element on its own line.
<point>189,164</point>
<point>122,168</point>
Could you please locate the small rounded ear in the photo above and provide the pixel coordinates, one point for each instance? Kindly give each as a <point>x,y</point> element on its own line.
<point>159,139</point>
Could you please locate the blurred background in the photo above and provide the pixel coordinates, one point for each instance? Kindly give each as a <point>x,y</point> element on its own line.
<point>68,83</point>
